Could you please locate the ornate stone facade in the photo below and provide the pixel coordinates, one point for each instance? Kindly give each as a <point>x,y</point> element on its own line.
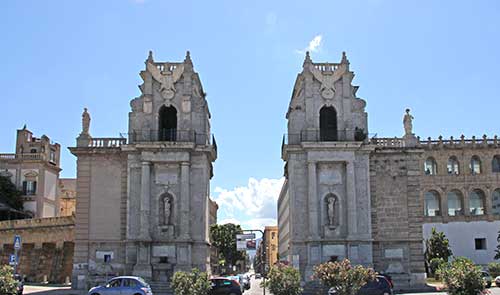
<point>374,200</point>
<point>143,201</point>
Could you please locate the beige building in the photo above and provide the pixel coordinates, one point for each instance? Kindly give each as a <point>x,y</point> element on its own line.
<point>267,252</point>
<point>67,196</point>
<point>375,200</point>
<point>34,169</point>
<point>143,205</point>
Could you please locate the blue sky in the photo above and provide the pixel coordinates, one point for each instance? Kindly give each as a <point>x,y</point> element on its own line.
<point>440,58</point>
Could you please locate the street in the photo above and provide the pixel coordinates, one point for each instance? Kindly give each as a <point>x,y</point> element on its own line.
<point>256,289</point>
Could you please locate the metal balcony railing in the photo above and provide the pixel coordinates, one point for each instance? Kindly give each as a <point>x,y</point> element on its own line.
<point>318,135</point>
<point>168,135</point>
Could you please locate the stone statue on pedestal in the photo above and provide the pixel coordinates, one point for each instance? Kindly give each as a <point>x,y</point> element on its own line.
<point>408,123</point>
<point>331,202</point>
<point>85,122</point>
<point>167,210</point>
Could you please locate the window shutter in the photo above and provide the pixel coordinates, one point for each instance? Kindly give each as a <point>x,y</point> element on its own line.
<point>25,187</point>
<point>34,188</point>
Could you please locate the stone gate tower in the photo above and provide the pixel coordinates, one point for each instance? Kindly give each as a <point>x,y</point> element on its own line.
<point>143,204</point>
<point>327,191</point>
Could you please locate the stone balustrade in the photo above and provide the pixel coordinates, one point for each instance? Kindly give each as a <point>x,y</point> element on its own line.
<point>388,142</point>
<point>106,142</point>
<point>461,142</point>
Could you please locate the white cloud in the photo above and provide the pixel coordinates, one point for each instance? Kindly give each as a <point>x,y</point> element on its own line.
<point>252,206</point>
<point>314,45</point>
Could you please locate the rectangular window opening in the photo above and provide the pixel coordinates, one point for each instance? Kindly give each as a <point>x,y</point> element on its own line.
<point>480,244</point>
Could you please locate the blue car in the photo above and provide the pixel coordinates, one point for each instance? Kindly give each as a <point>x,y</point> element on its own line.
<point>123,286</point>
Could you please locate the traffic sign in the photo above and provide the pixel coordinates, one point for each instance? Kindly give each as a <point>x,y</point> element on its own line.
<point>13,260</point>
<point>245,237</point>
<point>17,242</point>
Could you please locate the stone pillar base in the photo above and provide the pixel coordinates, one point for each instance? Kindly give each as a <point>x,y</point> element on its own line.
<point>144,270</point>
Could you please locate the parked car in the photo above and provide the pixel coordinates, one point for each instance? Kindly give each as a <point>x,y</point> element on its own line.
<point>225,286</point>
<point>20,283</point>
<point>123,286</point>
<point>497,281</point>
<point>487,278</point>
<point>379,286</point>
<point>245,281</point>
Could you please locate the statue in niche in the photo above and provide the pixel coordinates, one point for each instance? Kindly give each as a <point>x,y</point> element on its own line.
<point>85,122</point>
<point>408,123</point>
<point>331,202</point>
<point>167,210</point>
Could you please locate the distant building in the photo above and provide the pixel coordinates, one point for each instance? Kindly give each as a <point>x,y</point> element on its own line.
<point>267,251</point>
<point>67,196</point>
<point>34,169</point>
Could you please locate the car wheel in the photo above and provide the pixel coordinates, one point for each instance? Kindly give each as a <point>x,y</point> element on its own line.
<point>385,293</point>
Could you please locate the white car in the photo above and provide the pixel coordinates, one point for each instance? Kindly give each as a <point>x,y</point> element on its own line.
<point>497,281</point>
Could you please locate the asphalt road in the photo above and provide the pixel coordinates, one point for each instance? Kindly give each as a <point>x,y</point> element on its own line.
<point>256,289</point>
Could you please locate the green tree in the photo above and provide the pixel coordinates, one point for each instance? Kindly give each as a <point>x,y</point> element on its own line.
<point>437,246</point>
<point>497,251</point>
<point>191,283</point>
<point>10,194</point>
<point>8,285</point>
<point>283,280</point>
<point>223,237</point>
<point>462,277</point>
<point>494,269</point>
<point>344,277</point>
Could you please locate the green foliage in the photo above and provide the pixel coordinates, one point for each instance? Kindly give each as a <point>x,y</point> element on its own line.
<point>462,277</point>
<point>283,280</point>
<point>497,250</point>
<point>10,194</point>
<point>223,237</point>
<point>191,283</point>
<point>437,246</point>
<point>347,279</point>
<point>8,285</point>
<point>494,269</point>
<point>435,264</point>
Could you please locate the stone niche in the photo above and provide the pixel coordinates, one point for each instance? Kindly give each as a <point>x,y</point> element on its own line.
<point>331,179</point>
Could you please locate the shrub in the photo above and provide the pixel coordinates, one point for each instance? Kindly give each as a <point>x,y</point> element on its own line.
<point>191,283</point>
<point>494,269</point>
<point>435,264</point>
<point>462,277</point>
<point>347,279</point>
<point>8,285</point>
<point>283,280</point>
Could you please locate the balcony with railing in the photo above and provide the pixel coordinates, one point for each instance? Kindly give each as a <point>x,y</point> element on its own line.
<point>168,135</point>
<point>318,135</point>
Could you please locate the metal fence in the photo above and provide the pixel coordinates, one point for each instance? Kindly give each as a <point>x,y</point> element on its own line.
<point>167,135</point>
<point>317,135</point>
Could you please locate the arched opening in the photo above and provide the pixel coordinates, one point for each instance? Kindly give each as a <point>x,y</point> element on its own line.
<point>432,204</point>
<point>476,202</point>
<point>495,202</point>
<point>453,167</point>
<point>475,165</point>
<point>495,164</point>
<point>430,166</point>
<point>455,204</point>
<point>328,124</point>
<point>167,124</point>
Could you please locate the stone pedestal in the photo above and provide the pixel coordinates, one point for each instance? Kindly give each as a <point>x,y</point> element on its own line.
<point>83,140</point>
<point>143,266</point>
<point>167,230</point>
<point>410,140</point>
